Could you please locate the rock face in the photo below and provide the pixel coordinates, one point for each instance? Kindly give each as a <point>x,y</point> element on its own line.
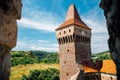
<point>112,14</point>
<point>10,11</point>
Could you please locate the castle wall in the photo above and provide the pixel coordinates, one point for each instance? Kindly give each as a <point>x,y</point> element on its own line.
<point>82,43</point>
<point>68,66</point>
<point>108,77</point>
<point>92,76</point>
<point>99,76</point>
<point>65,31</point>
<point>74,45</point>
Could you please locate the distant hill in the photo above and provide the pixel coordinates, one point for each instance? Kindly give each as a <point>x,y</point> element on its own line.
<point>27,63</point>
<point>30,57</point>
<point>102,56</point>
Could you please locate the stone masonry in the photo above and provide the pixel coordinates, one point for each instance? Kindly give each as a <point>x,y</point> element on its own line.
<point>10,11</point>
<point>74,38</point>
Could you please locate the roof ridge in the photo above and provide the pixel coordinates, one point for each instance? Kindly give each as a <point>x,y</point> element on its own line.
<point>72,13</point>
<point>73,17</point>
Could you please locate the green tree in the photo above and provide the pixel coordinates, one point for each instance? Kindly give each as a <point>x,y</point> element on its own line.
<point>49,74</point>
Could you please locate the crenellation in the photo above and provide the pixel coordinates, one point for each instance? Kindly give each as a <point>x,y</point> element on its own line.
<point>65,32</point>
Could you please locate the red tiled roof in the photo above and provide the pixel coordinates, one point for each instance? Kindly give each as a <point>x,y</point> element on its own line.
<point>73,18</point>
<point>90,66</point>
<point>108,66</point>
<point>89,69</point>
<point>74,22</point>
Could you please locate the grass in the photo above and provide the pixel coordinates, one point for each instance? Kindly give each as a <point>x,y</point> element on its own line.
<point>18,71</point>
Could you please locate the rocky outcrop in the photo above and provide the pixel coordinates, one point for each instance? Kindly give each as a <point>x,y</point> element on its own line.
<point>112,14</point>
<point>10,11</point>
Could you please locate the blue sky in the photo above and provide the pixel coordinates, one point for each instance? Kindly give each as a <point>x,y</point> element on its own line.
<point>40,18</point>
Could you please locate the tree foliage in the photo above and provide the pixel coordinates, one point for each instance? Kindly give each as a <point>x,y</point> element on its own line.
<point>30,57</point>
<point>49,74</point>
<point>102,56</point>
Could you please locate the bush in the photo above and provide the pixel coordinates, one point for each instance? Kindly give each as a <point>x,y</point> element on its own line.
<point>23,58</point>
<point>49,74</point>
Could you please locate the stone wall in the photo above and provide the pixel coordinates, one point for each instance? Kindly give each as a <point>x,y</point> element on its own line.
<point>68,66</point>
<point>10,11</point>
<point>92,76</point>
<point>74,45</point>
<point>108,77</point>
<point>99,76</point>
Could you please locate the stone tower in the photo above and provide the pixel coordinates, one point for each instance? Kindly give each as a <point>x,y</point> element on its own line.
<point>74,38</point>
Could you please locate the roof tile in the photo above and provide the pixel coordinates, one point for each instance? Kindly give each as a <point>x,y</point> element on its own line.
<point>108,66</point>
<point>73,18</point>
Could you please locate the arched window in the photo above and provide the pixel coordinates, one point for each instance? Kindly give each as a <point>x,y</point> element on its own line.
<point>64,62</point>
<point>78,38</point>
<point>81,39</point>
<point>64,32</point>
<point>67,74</point>
<point>71,38</point>
<point>84,39</point>
<point>74,37</point>
<point>66,40</point>
<point>87,40</point>
<point>63,40</point>
<point>59,40</point>
<point>69,30</point>
<point>59,33</point>
<point>68,50</point>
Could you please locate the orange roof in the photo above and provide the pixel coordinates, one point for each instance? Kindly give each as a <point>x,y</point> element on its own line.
<point>89,66</point>
<point>73,21</point>
<point>89,69</point>
<point>73,18</point>
<point>108,66</point>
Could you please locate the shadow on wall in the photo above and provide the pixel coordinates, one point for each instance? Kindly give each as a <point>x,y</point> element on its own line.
<point>94,65</point>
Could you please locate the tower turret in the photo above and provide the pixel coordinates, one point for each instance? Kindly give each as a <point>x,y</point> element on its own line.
<point>74,38</point>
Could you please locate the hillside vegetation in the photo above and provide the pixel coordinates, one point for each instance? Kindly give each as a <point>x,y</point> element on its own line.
<point>25,63</point>
<point>102,56</point>
<point>37,64</point>
<point>30,57</point>
<point>18,71</point>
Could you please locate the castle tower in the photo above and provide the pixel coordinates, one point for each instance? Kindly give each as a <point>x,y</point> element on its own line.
<point>74,38</point>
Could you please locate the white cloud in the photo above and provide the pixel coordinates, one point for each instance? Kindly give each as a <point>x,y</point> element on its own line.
<point>43,41</point>
<point>95,20</point>
<point>39,25</point>
<point>99,42</point>
<point>52,48</point>
<point>96,26</point>
<point>42,45</point>
<point>38,18</point>
<point>47,21</point>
